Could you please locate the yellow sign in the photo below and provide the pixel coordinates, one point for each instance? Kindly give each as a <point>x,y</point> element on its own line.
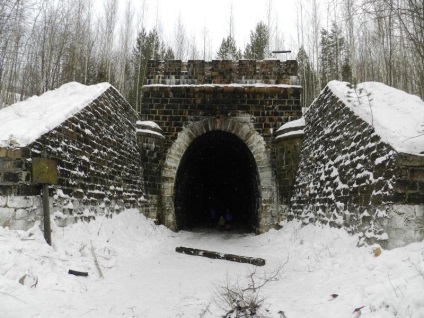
<point>44,171</point>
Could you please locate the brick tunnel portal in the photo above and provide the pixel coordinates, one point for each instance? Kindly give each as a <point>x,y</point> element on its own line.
<point>217,171</point>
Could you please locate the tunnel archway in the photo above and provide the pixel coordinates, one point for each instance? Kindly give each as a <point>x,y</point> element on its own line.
<point>217,171</point>
<point>267,208</point>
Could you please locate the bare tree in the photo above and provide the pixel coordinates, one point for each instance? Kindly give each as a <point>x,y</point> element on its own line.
<point>180,40</point>
<point>206,44</point>
<point>126,40</point>
<point>243,298</point>
<point>106,40</point>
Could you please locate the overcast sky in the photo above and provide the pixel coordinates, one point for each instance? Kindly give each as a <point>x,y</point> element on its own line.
<point>215,14</point>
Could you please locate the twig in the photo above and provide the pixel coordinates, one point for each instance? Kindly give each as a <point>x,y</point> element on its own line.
<point>13,297</point>
<point>96,262</point>
<point>394,288</point>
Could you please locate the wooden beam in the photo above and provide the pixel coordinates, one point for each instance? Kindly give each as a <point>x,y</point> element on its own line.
<point>216,255</point>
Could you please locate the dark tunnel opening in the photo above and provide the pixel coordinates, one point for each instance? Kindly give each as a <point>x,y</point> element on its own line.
<point>217,171</point>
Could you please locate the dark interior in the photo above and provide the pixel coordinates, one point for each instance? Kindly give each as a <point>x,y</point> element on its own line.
<point>217,171</point>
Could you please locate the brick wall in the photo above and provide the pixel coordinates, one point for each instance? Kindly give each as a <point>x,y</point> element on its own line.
<point>151,143</point>
<point>98,159</point>
<point>176,72</point>
<point>181,94</point>
<point>288,146</point>
<point>265,107</point>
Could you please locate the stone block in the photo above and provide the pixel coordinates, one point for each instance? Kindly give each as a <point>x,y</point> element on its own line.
<point>410,160</point>
<point>19,153</point>
<point>20,202</point>
<point>21,225</point>
<point>416,174</point>
<point>3,201</point>
<point>21,214</point>
<point>12,177</point>
<point>6,215</point>
<point>406,186</point>
<point>415,198</point>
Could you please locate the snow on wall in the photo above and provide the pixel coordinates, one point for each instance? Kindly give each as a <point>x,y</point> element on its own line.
<point>350,176</point>
<point>397,117</point>
<point>246,72</point>
<point>99,165</point>
<point>24,122</point>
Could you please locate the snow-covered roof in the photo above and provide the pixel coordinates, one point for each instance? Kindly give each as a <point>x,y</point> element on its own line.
<point>292,133</point>
<point>292,124</point>
<point>149,131</point>
<point>397,117</point>
<point>148,123</point>
<point>24,122</point>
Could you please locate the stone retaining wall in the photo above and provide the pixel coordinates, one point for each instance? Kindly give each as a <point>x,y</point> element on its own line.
<point>348,177</point>
<point>98,159</point>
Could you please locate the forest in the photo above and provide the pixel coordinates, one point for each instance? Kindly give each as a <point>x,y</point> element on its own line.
<point>44,44</point>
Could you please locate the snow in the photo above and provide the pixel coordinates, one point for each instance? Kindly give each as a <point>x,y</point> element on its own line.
<point>398,117</point>
<point>149,131</point>
<point>291,133</point>
<point>292,124</point>
<point>24,122</point>
<point>148,123</point>
<point>323,273</point>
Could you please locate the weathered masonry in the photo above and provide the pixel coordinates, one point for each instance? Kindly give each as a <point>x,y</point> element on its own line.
<point>350,177</point>
<point>96,151</point>
<point>214,144</point>
<point>224,135</point>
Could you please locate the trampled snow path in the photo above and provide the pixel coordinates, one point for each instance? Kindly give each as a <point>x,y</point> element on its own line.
<point>145,277</point>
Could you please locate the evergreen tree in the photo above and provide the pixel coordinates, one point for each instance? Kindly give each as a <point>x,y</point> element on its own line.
<point>258,45</point>
<point>332,53</point>
<point>228,50</point>
<point>148,46</point>
<point>347,75</point>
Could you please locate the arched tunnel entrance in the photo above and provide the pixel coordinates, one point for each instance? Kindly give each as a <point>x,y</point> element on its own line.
<point>217,171</point>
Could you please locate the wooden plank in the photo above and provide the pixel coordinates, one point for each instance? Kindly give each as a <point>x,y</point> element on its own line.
<point>216,255</point>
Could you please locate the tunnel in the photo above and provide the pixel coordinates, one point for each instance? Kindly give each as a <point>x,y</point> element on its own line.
<point>217,171</point>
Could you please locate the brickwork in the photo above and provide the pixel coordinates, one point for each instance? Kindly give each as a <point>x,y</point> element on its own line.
<point>266,107</point>
<point>267,215</point>
<point>15,171</point>
<point>334,170</point>
<point>151,143</point>
<point>348,177</point>
<point>98,159</point>
<point>253,94</point>
<point>288,146</point>
<point>198,72</point>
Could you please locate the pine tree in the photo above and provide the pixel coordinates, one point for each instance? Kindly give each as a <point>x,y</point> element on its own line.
<point>258,45</point>
<point>332,53</point>
<point>228,50</point>
<point>148,46</point>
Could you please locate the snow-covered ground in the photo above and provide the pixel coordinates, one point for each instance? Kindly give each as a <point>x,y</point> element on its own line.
<point>145,277</point>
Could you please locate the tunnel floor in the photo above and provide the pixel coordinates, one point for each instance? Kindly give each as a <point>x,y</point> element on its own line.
<point>217,173</point>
